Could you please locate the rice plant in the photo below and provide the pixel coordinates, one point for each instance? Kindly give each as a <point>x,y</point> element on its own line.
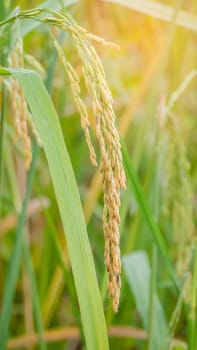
<point>98,171</point>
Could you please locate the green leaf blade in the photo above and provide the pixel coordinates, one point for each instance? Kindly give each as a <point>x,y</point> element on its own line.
<point>138,274</point>
<point>48,127</point>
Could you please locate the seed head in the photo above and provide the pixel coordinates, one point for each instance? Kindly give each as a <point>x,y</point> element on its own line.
<point>18,105</point>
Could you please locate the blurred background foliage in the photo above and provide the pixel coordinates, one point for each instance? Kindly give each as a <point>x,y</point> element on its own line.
<point>154,59</point>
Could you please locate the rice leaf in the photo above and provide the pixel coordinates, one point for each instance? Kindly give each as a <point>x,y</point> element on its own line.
<point>48,127</point>
<point>138,274</point>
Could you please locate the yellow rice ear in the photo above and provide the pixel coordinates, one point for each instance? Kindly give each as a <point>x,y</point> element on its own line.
<point>111,167</point>
<point>19,105</point>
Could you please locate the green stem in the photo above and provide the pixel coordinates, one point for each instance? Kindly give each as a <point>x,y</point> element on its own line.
<point>192,323</point>
<point>1,132</point>
<point>152,290</point>
<point>13,269</point>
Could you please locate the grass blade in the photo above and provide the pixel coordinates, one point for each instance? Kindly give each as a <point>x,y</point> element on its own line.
<point>143,205</point>
<point>152,291</point>
<point>138,272</point>
<point>48,127</point>
<point>192,319</point>
<point>2,115</point>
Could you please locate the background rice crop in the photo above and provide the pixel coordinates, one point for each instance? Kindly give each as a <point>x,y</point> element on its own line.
<point>153,81</point>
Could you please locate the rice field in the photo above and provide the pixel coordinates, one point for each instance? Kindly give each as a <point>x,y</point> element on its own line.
<point>98,175</point>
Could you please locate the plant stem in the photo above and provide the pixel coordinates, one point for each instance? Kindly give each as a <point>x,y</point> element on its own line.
<point>152,297</point>
<point>1,135</point>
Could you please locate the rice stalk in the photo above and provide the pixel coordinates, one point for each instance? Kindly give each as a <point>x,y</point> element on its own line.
<point>112,173</point>
<point>178,195</point>
<point>178,198</point>
<point>111,166</point>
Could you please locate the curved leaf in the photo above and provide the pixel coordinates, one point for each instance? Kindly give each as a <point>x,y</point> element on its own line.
<point>48,127</point>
